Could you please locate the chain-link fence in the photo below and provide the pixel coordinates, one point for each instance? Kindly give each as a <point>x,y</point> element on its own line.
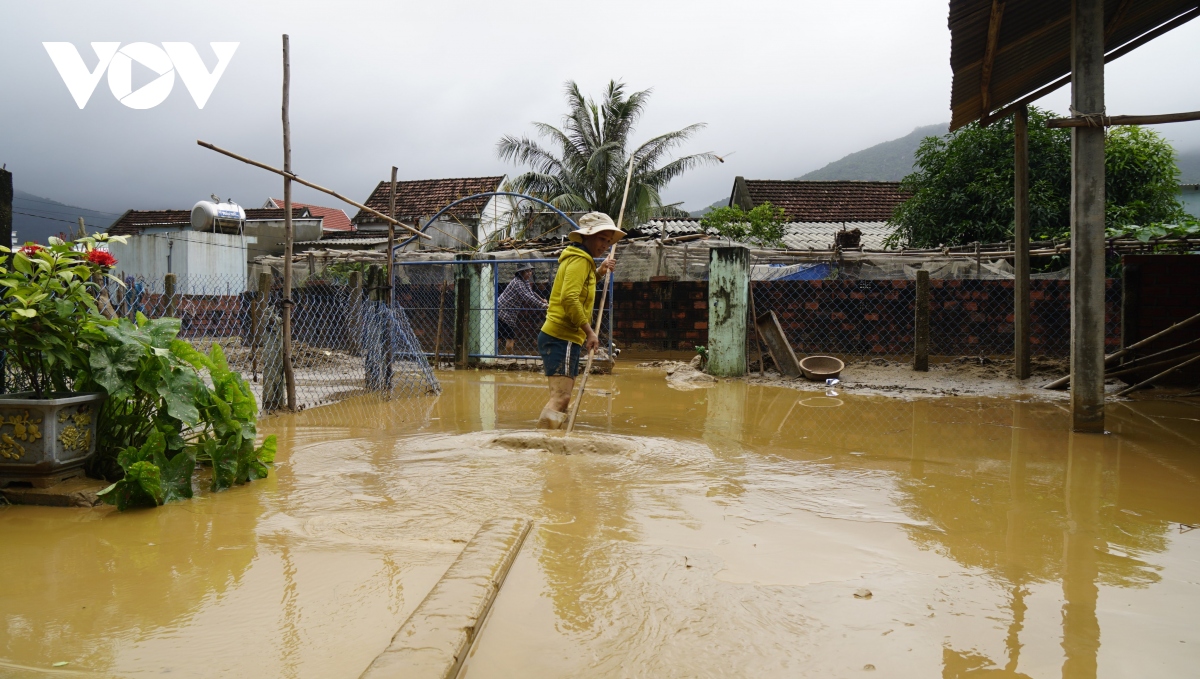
<point>342,342</point>
<point>505,308</point>
<point>830,310</point>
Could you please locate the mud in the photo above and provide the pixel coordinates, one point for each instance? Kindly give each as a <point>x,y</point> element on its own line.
<point>713,532</point>
<point>965,376</point>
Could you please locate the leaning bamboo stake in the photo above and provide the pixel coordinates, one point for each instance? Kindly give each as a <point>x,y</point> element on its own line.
<point>1152,380</point>
<point>603,299</point>
<point>1147,366</point>
<point>1063,381</point>
<point>288,174</point>
<point>754,324</point>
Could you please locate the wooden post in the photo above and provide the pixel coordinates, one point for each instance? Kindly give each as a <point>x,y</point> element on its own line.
<point>437,341</point>
<point>391,278</point>
<point>757,337</point>
<point>921,323</point>
<point>289,374</point>
<point>1021,227</point>
<point>1087,219</point>
<point>462,313</point>
<point>728,290</point>
<point>6,199</point>
<point>354,324</point>
<point>169,295</point>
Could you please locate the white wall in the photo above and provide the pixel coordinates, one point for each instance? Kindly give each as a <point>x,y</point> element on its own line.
<point>200,260</point>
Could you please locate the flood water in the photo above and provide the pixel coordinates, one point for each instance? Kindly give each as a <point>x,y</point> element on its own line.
<point>731,531</point>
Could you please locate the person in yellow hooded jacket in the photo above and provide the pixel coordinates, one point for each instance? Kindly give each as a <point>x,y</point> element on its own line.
<point>568,331</point>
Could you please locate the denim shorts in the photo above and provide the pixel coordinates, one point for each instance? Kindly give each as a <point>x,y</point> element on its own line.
<point>559,357</point>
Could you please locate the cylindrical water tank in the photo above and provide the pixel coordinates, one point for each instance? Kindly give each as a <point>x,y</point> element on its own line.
<point>210,216</point>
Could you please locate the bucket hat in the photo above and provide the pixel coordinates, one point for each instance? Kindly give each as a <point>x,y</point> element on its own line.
<point>524,267</point>
<point>593,223</point>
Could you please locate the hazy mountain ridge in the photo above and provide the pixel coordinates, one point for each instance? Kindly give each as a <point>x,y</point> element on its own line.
<point>888,161</point>
<point>36,218</point>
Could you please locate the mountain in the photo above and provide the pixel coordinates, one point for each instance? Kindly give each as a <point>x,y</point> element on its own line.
<point>36,218</point>
<point>887,161</point>
<point>1189,166</point>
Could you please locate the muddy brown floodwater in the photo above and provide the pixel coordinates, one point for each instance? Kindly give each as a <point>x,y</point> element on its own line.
<point>738,530</point>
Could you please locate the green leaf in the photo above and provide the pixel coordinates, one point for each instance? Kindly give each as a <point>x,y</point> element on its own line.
<point>112,365</point>
<point>177,389</point>
<point>25,313</point>
<point>266,452</point>
<point>177,477</point>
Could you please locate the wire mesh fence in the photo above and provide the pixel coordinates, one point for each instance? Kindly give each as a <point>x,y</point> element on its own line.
<point>822,309</point>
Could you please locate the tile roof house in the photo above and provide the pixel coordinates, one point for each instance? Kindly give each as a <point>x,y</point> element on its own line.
<point>333,219</point>
<point>418,200</point>
<point>822,201</point>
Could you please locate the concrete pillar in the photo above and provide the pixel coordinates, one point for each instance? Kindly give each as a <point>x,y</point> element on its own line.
<point>1087,219</point>
<point>483,308</point>
<point>728,309</point>
<point>921,323</point>
<point>274,394</point>
<point>1021,225</point>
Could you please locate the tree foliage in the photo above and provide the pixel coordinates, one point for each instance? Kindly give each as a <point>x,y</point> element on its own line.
<point>963,183</point>
<point>583,168</point>
<point>763,225</point>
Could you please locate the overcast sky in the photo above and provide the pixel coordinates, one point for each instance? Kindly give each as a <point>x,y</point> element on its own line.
<point>431,86</point>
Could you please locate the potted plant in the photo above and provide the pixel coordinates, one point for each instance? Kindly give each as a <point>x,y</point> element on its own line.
<point>48,321</point>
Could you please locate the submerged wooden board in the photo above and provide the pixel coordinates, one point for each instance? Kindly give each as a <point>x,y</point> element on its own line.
<point>781,352</point>
<point>435,639</point>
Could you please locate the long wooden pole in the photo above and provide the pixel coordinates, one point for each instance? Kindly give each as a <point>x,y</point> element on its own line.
<point>391,241</point>
<point>1063,381</point>
<point>612,251</point>
<point>1105,121</point>
<point>288,174</point>
<point>1159,376</point>
<point>437,341</point>
<point>289,374</point>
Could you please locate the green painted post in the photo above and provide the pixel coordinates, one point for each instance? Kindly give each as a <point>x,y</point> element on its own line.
<point>728,309</point>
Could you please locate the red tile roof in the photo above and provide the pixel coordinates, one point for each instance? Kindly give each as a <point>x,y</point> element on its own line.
<point>424,197</point>
<point>133,222</point>
<point>825,201</point>
<point>276,213</point>
<point>334,218</point>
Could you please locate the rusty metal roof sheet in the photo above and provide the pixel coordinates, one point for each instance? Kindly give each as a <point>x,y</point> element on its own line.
<point>1033,45</point>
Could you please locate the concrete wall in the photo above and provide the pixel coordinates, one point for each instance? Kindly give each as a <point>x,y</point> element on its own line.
<point>196,258</point>
<point>269,237</point>
<point>1190,195</point>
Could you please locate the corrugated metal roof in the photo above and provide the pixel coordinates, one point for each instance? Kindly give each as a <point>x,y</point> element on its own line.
<point>1033,45</point>
<point>797,235</point>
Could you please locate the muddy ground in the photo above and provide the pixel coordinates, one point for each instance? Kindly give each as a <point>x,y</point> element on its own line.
<point>964,376</point>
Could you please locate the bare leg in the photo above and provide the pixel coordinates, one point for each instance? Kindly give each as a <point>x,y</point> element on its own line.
<point>554,414</point>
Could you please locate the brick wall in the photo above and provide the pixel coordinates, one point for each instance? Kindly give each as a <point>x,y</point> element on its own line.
<point>1161,290</point>
<point>664,315</point>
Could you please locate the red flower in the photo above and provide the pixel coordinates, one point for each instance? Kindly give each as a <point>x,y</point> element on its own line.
<point>102,257</point>
<point>30,249</point>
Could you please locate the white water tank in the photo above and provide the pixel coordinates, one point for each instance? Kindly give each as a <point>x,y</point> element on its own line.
<point>225,217</point>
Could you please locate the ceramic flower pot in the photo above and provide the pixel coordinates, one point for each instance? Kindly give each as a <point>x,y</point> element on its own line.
<point>43,441</point>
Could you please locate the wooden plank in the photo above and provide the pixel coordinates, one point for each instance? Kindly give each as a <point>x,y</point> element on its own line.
<point>436,638</point>
<point>989,56</point>
<point>781,351</point>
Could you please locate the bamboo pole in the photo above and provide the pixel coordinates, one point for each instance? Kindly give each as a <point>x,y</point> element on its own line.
<point>1147,366</point>
<point>603,297</point>
<point>288,174</point>
<point>289,374</point>
<point>391,256</point>
<point>1106,121</point>
<point>1159,376</point>
<point>757,339</point>
<point>1062,381</point>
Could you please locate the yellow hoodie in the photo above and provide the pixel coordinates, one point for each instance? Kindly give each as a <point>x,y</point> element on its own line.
<point>573,295</point>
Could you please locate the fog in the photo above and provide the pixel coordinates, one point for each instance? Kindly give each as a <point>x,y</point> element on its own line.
<point>431,87</point>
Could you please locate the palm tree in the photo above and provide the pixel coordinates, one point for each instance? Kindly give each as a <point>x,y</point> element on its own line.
<point>588,172</point>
